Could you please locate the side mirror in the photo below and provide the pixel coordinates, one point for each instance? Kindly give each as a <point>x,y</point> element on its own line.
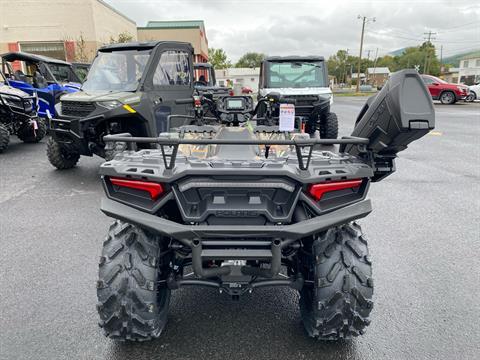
<point>275,96</point>
<point>436,84</point>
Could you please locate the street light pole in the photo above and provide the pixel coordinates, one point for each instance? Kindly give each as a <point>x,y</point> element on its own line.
<point>364,21</point>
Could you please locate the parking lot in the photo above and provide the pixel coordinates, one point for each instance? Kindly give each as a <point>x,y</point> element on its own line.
<point>424,237</point>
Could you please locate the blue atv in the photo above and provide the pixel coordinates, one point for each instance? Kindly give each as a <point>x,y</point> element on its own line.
<point>47,77</point>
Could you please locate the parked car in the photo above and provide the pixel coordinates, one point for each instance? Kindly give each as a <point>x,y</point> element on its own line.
<point>445,92</point>
<point>474,93</point>
<point>48,77</point>
<point>246,90</point>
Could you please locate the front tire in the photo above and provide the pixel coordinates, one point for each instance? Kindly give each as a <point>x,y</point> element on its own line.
<point>4,137</point>
<point>131,303</point>
<point>60,157</point>
<point>27,134</point>
<point>447,98</point>
<point>471,97</point>
<point>339,303</point>
<point>329,126</point>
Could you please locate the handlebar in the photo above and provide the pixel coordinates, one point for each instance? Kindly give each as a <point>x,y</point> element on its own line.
<point>184,101</point>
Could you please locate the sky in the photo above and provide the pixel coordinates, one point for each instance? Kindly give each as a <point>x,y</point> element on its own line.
<point>319,27</point>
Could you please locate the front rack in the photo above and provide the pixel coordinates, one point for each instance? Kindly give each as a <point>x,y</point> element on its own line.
<point>23,103</point>
<point>173,143</point>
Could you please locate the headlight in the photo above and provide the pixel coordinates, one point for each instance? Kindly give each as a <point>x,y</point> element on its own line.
<point>462,89</point>
<point>12,101</point>
<point>112,104</point>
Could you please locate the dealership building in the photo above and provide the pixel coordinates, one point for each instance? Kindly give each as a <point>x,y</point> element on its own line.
<point>63,29</point>
<point>191,31</point>
<point>73,30</point>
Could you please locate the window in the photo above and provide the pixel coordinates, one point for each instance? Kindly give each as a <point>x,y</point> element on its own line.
<point>477,63</point>
<point>117,70</point>
<point>465,63</point>
<point>296,74</point>
<point>173,69</point>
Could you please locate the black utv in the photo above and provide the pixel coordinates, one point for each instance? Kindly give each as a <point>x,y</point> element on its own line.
<point>237,207</point>
<point>18,115</point>
<point>130,88</point>
<point>303,80</point>
<point>205,81</point>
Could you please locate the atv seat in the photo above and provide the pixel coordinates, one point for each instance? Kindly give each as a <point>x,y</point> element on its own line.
<point>20,76</point>
<point>39,81</point>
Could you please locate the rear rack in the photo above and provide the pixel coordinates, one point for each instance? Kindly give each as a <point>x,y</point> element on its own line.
<point>173,143</point>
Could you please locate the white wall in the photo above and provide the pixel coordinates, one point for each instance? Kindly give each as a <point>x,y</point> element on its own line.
<point>241,76</point>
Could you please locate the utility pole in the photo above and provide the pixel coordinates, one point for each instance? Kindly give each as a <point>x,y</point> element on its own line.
<point>368,54</point>
<point>427,52</point>
<point>364,21</point>
<point>375,68</point>
<point>441,59</point>
<point>344,71</point>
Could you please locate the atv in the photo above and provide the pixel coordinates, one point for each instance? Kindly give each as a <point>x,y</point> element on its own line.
<point>232,206</point>
<point>18,115</point>
<point>130,87</point>
<point>47,77</point>
<point>303,79</point>
<point>205,81</point>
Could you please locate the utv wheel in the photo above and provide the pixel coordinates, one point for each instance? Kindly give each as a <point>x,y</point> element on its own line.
<point>28,135</point>
<point>4,137</point>
<point>60,157</point>
<point>447,98</point>
<point>329,126</point>
<point>131,303</point>
<point>339,303</point>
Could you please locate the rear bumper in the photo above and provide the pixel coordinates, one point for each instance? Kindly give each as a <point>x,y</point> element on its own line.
<point>186,233</point>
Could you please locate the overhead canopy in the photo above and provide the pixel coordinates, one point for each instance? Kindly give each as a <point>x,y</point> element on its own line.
<point>137,45</point>
<point>202,66</point>
<point>293,58</point>
<point>23,56</point>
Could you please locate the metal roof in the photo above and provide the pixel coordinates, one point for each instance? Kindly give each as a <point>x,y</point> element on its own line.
<point>180,24</point>
<point>295,58</point>
<point>23,56</point>
<point>378,70</point>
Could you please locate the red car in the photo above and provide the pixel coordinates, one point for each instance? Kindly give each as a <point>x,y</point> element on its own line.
<point>246,90</point>
<point>445,92</point>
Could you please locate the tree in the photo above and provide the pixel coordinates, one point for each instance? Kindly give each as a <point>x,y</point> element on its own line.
<point>81,50</point>
<point>250,60</point>
<point>123,37</point>
<point>218,58</point>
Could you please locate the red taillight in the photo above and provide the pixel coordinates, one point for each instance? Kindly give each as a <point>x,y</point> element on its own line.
<point>154,189</point>
<point>317,190</point>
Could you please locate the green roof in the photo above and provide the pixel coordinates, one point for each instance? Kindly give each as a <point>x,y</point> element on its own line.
<point>182,24</point>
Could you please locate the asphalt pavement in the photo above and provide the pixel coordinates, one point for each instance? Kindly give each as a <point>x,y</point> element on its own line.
<point>424,237</point>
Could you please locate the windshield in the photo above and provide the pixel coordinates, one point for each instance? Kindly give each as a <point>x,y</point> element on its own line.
<point>117,70</point>
<point>63,73</point>
<point>203,76</point>
<point>298,74</point>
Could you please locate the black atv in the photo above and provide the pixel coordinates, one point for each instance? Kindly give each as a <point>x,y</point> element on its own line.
<point>130,88</point>
<point>232,206</point>
<point>18,115</point>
